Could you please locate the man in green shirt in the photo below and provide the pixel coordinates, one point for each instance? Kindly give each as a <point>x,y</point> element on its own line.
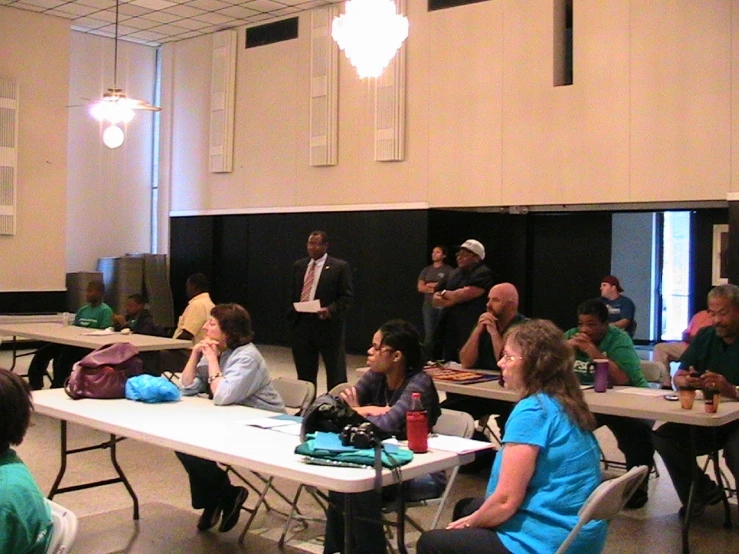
<point>594,339</point>
<point>96,314</point>
<point>711,361</point>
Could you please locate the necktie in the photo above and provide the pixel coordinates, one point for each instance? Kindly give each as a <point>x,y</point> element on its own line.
<point>308,282</point>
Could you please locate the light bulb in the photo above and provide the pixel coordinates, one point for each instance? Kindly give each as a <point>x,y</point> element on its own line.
<point>113,136</point>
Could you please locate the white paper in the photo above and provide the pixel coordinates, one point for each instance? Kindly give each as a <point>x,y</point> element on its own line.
<point>460,445</point>
<point>99,332</point>
<point>643,391</point>
<point>310,307</point>
<point>268,422</point>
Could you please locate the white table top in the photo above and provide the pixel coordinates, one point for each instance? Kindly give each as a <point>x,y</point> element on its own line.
<point>634,402</point>
<point>75,336</point>
<point>196,426</point>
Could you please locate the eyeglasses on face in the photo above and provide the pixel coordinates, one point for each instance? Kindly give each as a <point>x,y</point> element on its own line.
<point>509,358</point>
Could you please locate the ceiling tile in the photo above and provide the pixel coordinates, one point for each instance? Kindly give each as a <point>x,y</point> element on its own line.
<point>74,9</point>
<point>289,10</point>
<point>99,4</point>
<point>189,34</point>
<point>208,5</point>
<point>169,30</point>
<point>153,4</point>
<point>88,23</point>
<point>192,24</point>
<point>122,30</point>
<point>147,35</point>
<point>237,12</point>
<point>161,17</point>
<point>215,19</point>
<point>29,7</point>
<point>263,5</point>
<point>134,11</point>
<point>141,23</point>
<point>185,11</point>
<point>46,4</point>
<point>106,15</point>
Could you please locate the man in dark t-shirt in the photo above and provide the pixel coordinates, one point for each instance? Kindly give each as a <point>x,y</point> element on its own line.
<point>462,295</point>
<point>711,361</point>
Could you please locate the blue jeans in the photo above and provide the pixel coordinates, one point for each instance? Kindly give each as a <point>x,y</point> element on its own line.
<point>431,318</point>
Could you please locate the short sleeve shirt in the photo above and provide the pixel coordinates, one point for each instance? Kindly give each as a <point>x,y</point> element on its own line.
<point>94,317</point>
<point>621,308</point>
<point>567,472</point>
<point>431,274</point>
<point>619,347</point>
<point>708,352</point>
<point>195,316</point>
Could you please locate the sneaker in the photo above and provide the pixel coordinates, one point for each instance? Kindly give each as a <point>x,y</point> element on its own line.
<point>639,498</point>
<point>209,517</point>
<point>231,505</point>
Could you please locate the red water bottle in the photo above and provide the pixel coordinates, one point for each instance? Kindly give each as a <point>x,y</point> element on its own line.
<point>417,425</point>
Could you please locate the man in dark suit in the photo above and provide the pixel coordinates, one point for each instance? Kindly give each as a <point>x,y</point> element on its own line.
<point>329,280</point>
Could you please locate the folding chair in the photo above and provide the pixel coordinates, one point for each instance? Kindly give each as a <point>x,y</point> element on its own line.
<point>451,422</point>
<point>64,531</point>
<point>606,501</point>
<point>298,396</point>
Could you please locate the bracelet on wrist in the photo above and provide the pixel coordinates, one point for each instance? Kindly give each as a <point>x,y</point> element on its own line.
<point>214,377</point>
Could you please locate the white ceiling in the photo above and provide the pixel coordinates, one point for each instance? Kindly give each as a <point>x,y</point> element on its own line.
<point>154,22</point>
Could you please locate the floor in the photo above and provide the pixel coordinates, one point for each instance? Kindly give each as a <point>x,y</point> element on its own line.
<point>167,523</point>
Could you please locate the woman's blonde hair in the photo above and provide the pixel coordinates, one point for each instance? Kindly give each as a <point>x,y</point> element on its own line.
<point>548,368</point>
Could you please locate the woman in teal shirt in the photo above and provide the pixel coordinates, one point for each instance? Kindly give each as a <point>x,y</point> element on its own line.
<point>25,517</point>
<point>548,466</point>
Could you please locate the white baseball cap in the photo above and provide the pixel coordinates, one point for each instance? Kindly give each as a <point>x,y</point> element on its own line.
<point>475,247</point>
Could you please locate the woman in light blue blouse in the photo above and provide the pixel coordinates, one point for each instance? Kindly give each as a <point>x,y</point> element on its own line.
<point>548,466</point>
<point>227,366</point>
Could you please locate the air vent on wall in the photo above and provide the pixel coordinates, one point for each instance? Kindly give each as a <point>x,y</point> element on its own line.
<point>9,91</point>
<point>268,33</point>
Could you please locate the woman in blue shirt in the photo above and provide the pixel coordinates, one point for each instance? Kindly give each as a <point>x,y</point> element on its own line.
<point>227,366</point>
<point>548,466</point>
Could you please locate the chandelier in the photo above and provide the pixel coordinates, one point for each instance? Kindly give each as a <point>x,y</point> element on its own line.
<point>370,32</point>
<point>115,107</point>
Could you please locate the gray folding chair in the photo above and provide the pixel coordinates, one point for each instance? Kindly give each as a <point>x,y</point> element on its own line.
<point>338,388</point>
<point>606,501</point>
<point>454,423</point>
<point>297,396</point>
<point>64,531</point>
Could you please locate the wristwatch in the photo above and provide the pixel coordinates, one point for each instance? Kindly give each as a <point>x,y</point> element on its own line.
<point>442,293</point>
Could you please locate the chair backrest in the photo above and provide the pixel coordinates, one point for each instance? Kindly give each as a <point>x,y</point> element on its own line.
<point>297,395</point>
<point>606,501</point>
<point>65,529</point>
<point>453,422</point>
<point>652,371</point>
<point>336,389</point>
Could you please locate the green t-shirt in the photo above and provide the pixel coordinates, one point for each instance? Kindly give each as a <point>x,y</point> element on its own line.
<point>708,352</point>
<point>95,317</point>
<point>25,517</point>
<point>618,346</point>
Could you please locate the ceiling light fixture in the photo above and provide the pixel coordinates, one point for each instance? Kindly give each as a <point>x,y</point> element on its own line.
<point>115,107</point>
<point>370,32</point>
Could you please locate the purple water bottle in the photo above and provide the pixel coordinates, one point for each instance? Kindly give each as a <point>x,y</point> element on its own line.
<point>601,375</point>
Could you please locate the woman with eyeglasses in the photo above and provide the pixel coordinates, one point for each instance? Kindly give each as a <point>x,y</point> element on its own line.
<point>549,463</point>
<point>383,396</point>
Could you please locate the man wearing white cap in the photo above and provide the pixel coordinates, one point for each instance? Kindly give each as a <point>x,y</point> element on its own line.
<point>463,295</point>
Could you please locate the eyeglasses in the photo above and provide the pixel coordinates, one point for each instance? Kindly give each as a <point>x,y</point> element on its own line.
<point>507,358</point>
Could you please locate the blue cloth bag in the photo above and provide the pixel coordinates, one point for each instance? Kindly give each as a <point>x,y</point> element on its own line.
<point>147,388</point>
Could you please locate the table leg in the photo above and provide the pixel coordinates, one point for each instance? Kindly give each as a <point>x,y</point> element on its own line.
<point>691,494</point>
<point>348,522</point>
<point>65,451</point>
<point>401,522</point>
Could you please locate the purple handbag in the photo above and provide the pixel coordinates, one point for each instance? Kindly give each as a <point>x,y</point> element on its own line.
<point>103,372</point>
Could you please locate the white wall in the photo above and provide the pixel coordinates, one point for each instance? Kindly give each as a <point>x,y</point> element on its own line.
<point>34,51</point>
<point>649,118</point>
<point>108,191</point>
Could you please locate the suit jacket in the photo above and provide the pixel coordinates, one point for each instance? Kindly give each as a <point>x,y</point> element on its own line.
<point>334,289</point>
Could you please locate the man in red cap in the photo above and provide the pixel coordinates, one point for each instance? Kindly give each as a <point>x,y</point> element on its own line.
<point>621,309</point>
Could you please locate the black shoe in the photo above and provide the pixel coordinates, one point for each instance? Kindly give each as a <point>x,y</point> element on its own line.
<point>209,517</point>
<point>231,505</point>
<point>713,496</point>
<point>639,498</point>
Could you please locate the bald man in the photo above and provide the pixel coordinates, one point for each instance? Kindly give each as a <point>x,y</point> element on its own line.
<point>483,349</point>
<point>484,346</point>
